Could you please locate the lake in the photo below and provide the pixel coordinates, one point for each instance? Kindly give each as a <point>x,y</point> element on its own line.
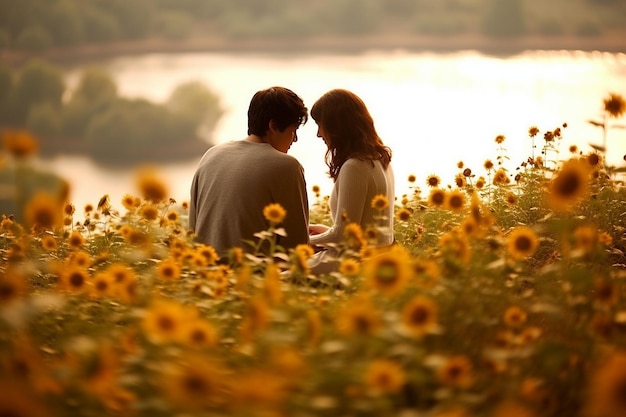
<point>432,109</point>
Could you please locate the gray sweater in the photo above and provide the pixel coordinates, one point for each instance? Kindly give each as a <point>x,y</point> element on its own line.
<point>234,182</point>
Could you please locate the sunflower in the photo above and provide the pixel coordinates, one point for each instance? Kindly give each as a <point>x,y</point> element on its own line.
<point>199,333</point>
<point>511,198</point>
<point>164,321</point>
<point>73,279</point>
<point>389,271</point>
<point>384,376</point>
<point>195,384</point>
<point>500,177</point>
<point>19,143</point>
<point>607,384</point>
<point>151,186</point>
<point>403,214</point>
<point>460,181</point>
<point>130,202</point>
<point>480,183</point>
<point>500,139</point>
<point>437,197</point>
<point>359,317</point>
<point>606,293</point>
<point>76,240</point>
<point>48,243</point>
<point>593,159</point>
<point>426,271</point>
<point>16,400</point>
<point>488,164</point>
<point>353,235</point>
<point>522,242</point>
<point>614,105</point>
<point>433,181</point>
<point>349,267</point>
<point>102,285</point>
<point>569,186</point>
<point>455,201</point>
<point>456,372</point>
<point>419,315</point>
<point>411,178</point>
<point>274,213</point>
<point>149,212</point>
<point>514,316</point>
<point>208,253</point>
<point>586,237</point>
<point>168,270</point>
<point>380,202</point>
<point>533,131</point>
<point>43,212</point>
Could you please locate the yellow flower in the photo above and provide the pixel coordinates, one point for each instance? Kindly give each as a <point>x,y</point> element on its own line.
<point>195,384</point>
<point>437,197</point>
<point>19,401</point>
<point>456,372</point>
<point>586,237</point>
<point>208,253</point>
<point>522,242</point>
<point>19,143</point>
<point>359,317</point>
<point>488,164</point>
<point>274,213</point>
<point>73,279</point>
<point>403,214</point>
<point>130,202</point>
<point>48,243</point>
<point>433,181</point>
<point>168,270</point>
<point>353,235</point>
<point>164,321</point>
<point>419,315</point>
<point>76,240</point>
<point>384,376</point>
<point>349,267</point>
<point>272,284</point>
<point>570,185</point>
<point>455,201</point>
<point>380,202</point>
<point>389,271</point>
<point>199,333</point>
<point>499,139</point>
<point>427,272</point>
<point>149,212</point>
<point>514,316</point>
<point>43,212</point>
<point>614,105</point>
<point>411,178</point>
<point>13,286</point>
<point>533,131</point>
<point>151,186</point>
<point>102,285</point>
<point>500,177</point>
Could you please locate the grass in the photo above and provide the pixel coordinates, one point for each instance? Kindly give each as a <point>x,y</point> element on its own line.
<point>504,296</point>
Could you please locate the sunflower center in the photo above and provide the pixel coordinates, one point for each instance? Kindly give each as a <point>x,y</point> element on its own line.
<point>568,184</point>
<point>523,243</point>
<point>77,280</point>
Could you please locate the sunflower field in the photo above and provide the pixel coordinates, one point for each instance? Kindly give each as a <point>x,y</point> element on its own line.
<point>504,296</point>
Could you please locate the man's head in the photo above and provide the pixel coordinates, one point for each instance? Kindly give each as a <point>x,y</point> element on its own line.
<point>277,104</point>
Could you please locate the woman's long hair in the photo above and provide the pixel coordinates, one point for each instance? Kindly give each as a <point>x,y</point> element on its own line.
<point>348,129</point>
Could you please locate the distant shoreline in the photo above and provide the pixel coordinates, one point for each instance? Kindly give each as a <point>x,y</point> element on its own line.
<point>614,42</point>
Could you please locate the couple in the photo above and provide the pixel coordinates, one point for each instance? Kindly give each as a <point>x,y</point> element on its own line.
<point>236,180</point>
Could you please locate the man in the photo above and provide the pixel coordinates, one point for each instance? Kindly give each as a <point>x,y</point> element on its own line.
<point>236,180</point>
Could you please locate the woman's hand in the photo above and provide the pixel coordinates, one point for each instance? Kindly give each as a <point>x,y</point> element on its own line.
<point>316,229</point>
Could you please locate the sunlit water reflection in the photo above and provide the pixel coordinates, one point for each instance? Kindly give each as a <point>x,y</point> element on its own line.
<point>433,110</point>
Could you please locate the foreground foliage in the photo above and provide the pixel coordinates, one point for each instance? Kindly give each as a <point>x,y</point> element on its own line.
<point>503,297</point>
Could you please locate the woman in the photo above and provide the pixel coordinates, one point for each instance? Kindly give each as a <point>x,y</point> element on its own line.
<point>360,166</point>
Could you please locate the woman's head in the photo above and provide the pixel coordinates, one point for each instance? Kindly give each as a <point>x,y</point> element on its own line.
<point>348,130</point>
<point>279,104</point>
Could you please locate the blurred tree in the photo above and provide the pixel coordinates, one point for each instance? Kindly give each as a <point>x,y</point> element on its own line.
<point>95,84</point>
<point>174,25</point>
<point>34,39</point>
<point>504,18</point>
<point>44,120</point>
<point>63,22</point>
<point>139,131</point>
<point>6,85</point>
<point>39,82</point>
<point>100,25</point>
<point>355,17</point>
<point>195,102</point>
<point>135,17</point>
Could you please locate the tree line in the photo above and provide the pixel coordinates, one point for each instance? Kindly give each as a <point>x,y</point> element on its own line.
<point>93,119</point>
<point>35,26</point>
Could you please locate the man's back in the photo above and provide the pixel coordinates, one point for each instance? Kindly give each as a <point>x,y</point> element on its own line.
<point>232,185</point>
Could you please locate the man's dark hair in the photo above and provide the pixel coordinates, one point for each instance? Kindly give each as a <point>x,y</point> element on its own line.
<point>276,103</point>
